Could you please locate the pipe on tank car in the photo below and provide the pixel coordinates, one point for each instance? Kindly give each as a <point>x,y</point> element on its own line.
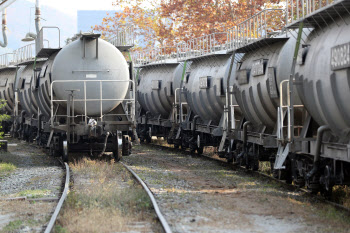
<point>22,120</point>
<point>104,145</point>
<point>147,117</point>
<point>245,129</point>
<point>320,131</point>
<point>39,125</point>
<point>37,17</point>
<point>194,123</point>
<point>4,27</point>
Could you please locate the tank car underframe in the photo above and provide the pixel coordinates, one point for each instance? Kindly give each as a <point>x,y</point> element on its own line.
<point>299,167</point>
<point>93,135</point>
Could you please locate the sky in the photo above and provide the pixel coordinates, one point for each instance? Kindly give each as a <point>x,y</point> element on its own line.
<point>71,6</point>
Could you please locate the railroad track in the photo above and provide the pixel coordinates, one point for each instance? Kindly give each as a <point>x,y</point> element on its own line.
<point>160,216</point>
<point>58,208</point>
<point>263,175</point>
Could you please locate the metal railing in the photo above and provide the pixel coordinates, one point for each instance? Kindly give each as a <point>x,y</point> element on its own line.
<point>205,45</point>
<point>154,56</point>
<point>124,36</point>
<point>39,41</point>
<point>99,100</point>
<point>299,9</point>
<point>285,108</point>
<point>6,60</point>
<point>179,107</point>
<point>264,24</point>
<point>24,54</point>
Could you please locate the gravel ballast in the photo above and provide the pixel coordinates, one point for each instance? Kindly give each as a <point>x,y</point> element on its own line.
<point>36,175</point>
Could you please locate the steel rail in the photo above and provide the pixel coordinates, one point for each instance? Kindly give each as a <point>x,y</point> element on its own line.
<point>60,203</point>
<point>162,220</point>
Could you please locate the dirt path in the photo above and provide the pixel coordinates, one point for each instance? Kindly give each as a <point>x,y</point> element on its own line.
<point>198,195</point>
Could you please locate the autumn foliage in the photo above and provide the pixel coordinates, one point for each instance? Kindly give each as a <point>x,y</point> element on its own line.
<point>172,21</point>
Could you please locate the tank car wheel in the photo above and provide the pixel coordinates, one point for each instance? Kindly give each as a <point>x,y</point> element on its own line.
<point>247,161</point>
<point>51,150</point>
<point>326,180</point>
<point>116,155</point>
<point>126,148</point>
<point>176,146</point>
<point>313,186</point>
<point>65,151</point>
<point>255,164</point>
<point>200,150</point>
<point>193,151</point>
<point>148,139</point>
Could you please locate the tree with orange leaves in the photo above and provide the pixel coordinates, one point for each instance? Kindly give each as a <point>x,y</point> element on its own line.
<point>171,21</point>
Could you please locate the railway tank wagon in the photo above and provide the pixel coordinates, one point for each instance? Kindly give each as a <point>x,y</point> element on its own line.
<point>157,88</point>
<point>29,107</point>
<point>205,87</point>
<point>82,92</point>
<point>323,77</point>
<point>257,91</point>
<point>7,90</point>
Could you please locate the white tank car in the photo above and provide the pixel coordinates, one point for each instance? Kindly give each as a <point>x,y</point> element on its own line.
<point>74,62</point>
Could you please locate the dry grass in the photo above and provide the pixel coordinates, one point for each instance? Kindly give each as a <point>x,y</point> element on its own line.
<point>341,195</point>
<point>104,199</point>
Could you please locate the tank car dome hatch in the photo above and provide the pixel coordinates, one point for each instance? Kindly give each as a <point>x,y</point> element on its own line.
<point>91,59</point>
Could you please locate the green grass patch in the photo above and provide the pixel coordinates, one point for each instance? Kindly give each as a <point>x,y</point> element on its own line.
<point>7,167</point>
<point>34,193</point>
<point>13,226</point>
<point>332,213</point>
<point>59,229</point>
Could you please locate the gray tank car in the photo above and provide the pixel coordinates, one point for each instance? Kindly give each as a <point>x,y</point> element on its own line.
<point>97,61</point>
<point>29,107</point>
<point>7,93</point>
<point>322,76</point>
<point>205,87</point>
<point>82,93</point>
<point>157,88</point>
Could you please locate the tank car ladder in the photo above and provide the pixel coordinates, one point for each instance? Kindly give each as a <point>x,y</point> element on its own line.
<point>286,144</point>
<point>229,121</point>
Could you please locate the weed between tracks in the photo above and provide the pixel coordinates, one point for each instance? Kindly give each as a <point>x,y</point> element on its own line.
<point>105,198</point>
<point>6,168</point>
<point>7,164</point>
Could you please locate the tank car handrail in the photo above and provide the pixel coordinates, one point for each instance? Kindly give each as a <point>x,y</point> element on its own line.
<point>41,35</point>
<point>158,55</point>
<point>299,9</point>
<point>201,46</point>
<point>123,37</point>
<point>252,29</point>
<point>23,54</point>
<point>6,59</point>
<point>39,41</point>
<point>85,100</point>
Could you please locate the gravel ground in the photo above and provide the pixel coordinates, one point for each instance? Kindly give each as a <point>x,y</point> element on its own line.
<point>36,176</point>
<point>198,195</point>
